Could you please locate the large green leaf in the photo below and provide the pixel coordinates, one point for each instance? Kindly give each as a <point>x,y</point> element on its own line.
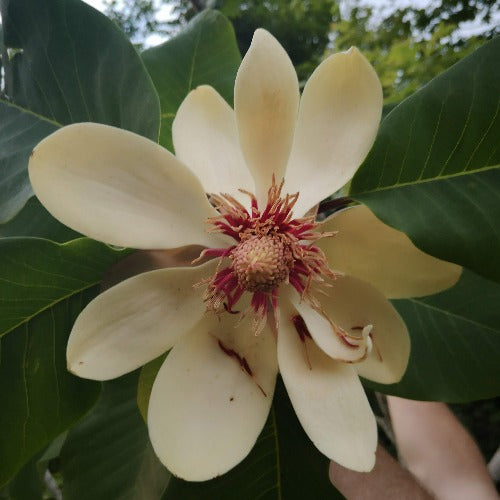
<point>455,343</point>
<point>39,397</point>
<point>27,485</point>
<point>74,66</point>
<point>20,131</point>
<point>43,287</point>
<point>205,52</point>
<point>283,464</point>
<point>434,171</point>
<point>36,275</point>
<point>108,454</point>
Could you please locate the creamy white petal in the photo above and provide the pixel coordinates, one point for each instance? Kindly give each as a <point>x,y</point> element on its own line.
<point>118,187</point>
<point>338,119</point>
<point>328,399</point>
<point>206,140</point>
<point>206,411</point>
<point>136,321</point>
<point>379,254</point>
<point>266,97</point>
<point>353,305</point>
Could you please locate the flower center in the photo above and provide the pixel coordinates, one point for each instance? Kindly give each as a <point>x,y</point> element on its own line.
<point>270,248</point>
<point>261,263</point>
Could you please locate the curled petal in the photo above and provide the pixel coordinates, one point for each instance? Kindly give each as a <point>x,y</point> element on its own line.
<point>118,187</point>
<point>379,254</point>
<point>328,399</point>
<point>211,398</point>
<point>206,140</point>
<point>333,339</point>
<point>266,98</point>
<point>135,321</point>
<point>363,312</point>
<point>338,120</point>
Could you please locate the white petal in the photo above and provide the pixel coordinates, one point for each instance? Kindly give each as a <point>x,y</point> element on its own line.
<point>369,249</point>
<point>266,97</point>
<point>328,399</point>
<point>136,321</point>
<point>353,305</point>
<point>338,119</point>
<point>205,411</point>
<point>118,187</point>
<point>206,140</point>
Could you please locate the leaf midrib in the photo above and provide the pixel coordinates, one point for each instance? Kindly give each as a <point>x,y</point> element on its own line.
<point>427,181</point>
<point>29,112</point>
<point>454,315</point>
<point>51,304</point>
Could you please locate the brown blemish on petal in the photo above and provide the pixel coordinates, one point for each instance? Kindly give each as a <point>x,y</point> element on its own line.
<point>303,333</point>
<point>301,327</point>
<point>242,362</point>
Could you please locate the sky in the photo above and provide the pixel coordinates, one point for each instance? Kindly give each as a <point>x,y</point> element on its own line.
<point>385,6</point>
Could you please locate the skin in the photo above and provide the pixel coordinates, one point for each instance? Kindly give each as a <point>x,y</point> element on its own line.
<point>441,459</point>
<point>387,481</point>
<point>439,452</point>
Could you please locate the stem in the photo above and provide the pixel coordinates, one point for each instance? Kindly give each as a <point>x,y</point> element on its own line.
<point>52,486</point>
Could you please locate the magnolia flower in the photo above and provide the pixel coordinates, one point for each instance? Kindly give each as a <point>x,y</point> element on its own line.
<point>280,291</point>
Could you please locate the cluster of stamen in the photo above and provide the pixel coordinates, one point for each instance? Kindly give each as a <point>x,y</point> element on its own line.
<point>271,248</point>
<point>262,263</point>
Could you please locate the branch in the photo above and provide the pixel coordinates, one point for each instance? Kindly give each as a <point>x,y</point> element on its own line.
<point>198,5</point>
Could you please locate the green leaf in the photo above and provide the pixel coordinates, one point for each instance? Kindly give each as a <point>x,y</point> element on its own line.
<point>75,65</point>
<point>434,171</point>
<point>33,220</point>
<point>205,52</point>
<point>28,484</point>
<point>108,454</point>
<point>37,274</point>
<point>43,287</point>
<point>455,343</point>
<point>283,464</point>
<point>20,131</point>
<point>39,397</point>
